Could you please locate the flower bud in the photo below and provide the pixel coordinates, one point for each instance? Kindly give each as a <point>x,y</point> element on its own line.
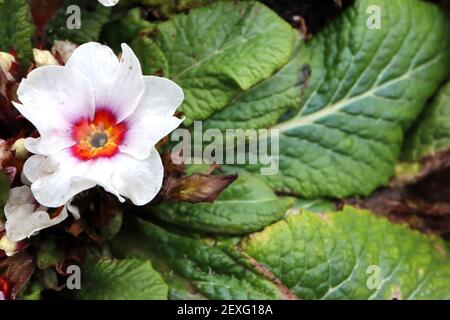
<point>64,48</point>
<point>44,58</point>
<point>5,152</point>
<point>6,63</point>
<point>8,246</point>
<point>19,148</point>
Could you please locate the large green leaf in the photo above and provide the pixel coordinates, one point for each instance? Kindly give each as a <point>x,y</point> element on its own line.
<point>195,267</point>
<point>16,29</point>
<point>350,254</point>
<point>337,255</point>
<point>112,279</point>
<point>247,205</point>
<point>367,86</point>
<point>432,132</point>
<point>217,51</point>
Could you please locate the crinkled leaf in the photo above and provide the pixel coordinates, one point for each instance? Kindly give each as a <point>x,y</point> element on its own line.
<point>336,255</point>
<point>427,147</point>
<point>247,205</point>
<point>333,255</point>
<point>153,61</point>
<point>112,279</point>
<point>432,132</point>
<point>217,51</point>
<point>195,267</point>
<point>262,105</point>
<point>367,86</point>
<point>16,29</point>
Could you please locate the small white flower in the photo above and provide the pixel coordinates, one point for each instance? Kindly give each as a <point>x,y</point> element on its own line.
<point>108,3</point>
<point>99,119</point>
<point>24,217</point>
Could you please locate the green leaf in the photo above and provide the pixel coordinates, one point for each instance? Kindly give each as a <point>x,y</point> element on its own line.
<point>112,279</point>
<point>153,61</point>
<point>93,17</point>
<point>169,7</point>
<point>432,132</point>
<point>315,205</point>
<point>49,254</point>
<point>215,52</point>
<point>195,267</point>
<point>367,86</point>
<point>16,29</point>
<point>338,255</point>
<point>32,290</point>
<point>247,205</point>
<point>110,230</point>
<point>262,105</point>
<point>125,29</point>
<point>349,254</point>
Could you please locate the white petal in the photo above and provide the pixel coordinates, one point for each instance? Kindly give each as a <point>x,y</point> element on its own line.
<point>20,195</point>
<point>108,3</point>
<point>23,219</point>
<point>23,222</point>
<point>53,98</point>
<point>57,178</point>
<point>153,118</point>
<point>118,85</point>
<point>74,210</point>
<point>162,96</point>
<point>49,143</point>
<point>137,180</point>
<point>144,132</point>
<point>96,62</point>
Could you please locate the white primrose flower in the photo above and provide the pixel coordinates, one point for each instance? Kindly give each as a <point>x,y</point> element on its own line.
<point>99,119</point>
<point>25,217</point>
<point>108,3</point>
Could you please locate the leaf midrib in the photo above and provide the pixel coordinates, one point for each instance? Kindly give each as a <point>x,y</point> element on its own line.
<point>331,109</point>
